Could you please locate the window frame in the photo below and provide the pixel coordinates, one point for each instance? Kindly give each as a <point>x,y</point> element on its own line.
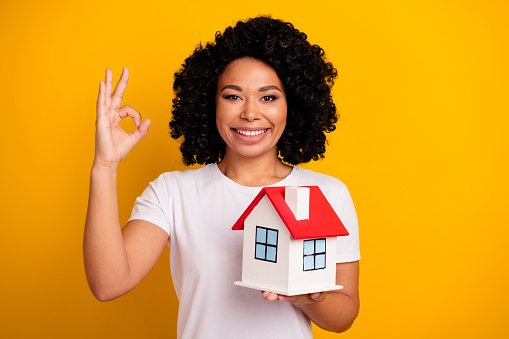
<point>314,254</point>
<point>266,244</point>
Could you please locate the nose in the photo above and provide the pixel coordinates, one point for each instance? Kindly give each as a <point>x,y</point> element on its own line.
<point>250,111</point>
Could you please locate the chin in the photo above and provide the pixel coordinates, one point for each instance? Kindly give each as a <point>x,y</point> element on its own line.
<point>252,152</point>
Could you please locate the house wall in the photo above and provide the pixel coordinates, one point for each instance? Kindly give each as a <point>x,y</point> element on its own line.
<point>258,272</point>
<point>300,279</point>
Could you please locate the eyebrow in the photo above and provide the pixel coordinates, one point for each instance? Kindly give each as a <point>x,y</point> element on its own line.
<point>261,89</point>
<point>268,88</point>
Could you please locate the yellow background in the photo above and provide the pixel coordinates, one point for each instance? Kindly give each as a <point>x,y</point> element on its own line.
<point>422,145</point>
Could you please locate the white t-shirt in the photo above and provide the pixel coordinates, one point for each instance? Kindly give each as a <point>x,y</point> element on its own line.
<point>197,208</point>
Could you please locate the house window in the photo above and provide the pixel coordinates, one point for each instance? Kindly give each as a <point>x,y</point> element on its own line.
<point>266,244</point>
<point>314,254</point>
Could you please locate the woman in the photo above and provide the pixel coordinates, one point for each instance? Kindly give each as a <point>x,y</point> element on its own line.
<point>249,105</point>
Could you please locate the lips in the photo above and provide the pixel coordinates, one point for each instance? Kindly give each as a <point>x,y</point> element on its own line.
<point>250,133</point>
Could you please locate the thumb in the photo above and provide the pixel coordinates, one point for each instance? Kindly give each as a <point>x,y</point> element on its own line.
<point>142,130</point>
<point>319,297</point>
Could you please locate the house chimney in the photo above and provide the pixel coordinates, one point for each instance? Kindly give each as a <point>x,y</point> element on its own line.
<point>297,198</point>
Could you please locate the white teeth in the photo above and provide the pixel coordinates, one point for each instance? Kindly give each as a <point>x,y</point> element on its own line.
<point>251,133</point>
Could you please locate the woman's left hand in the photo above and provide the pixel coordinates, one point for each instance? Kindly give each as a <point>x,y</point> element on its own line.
<point>296,300</point>
<point>334,310</point>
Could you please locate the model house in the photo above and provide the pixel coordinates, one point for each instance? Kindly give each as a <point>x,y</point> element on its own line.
<point>290,241</point>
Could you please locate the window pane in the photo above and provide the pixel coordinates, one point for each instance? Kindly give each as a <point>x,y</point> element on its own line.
<point>271,253</point>
<point>261,235</point>
<point>320,246</point>
<point>260,252</point>
<point>309,247</point>
<point>271,237</point>
<point>308,263</point>
<point>320,261</point>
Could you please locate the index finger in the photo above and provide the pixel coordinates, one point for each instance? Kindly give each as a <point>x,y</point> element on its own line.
<point>101,100</point>
<point>120,88</point>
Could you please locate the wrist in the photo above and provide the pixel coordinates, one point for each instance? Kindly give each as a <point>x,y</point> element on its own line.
<point>104,168</point>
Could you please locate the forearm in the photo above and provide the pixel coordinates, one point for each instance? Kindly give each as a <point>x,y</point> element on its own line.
<point>336,313</point>
<point>104,253</point>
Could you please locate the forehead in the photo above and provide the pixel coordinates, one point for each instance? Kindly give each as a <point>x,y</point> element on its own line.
<point>249,71</point>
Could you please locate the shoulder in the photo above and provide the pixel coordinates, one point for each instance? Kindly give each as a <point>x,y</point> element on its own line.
<point>203,173</point>
<point>176,181</point>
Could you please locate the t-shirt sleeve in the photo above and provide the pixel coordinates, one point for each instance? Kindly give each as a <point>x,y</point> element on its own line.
<point>154,205</point>
<point>347,246</point>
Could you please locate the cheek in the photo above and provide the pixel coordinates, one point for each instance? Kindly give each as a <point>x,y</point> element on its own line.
<point>280,116</point>
<point>221,114</point>
<point>223,121</point>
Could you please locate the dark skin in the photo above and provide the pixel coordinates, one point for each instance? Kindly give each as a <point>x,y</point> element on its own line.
<point>250,120</point>
<point>257,164</point>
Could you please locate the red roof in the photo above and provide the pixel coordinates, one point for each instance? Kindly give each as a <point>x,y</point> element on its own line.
<point>323,220</point>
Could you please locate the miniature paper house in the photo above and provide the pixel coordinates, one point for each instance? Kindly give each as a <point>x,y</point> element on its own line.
<point>290,241</point>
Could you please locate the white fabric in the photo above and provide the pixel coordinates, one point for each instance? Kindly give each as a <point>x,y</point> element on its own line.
<point>197,208</point>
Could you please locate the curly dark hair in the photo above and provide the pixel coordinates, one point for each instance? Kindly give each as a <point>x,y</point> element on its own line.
<point>302,68</point>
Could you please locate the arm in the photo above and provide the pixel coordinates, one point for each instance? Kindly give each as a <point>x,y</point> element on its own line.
<point>115,260</point>
<point>335,310</point>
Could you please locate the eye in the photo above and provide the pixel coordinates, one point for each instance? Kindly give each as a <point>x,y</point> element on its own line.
<point>269,98</point>
<point>232,97</point>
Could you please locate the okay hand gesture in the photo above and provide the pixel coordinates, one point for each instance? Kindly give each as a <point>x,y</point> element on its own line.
<point>112,143</point>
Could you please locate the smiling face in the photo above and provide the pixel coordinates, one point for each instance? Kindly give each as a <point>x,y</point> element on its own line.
<point>250,108</point>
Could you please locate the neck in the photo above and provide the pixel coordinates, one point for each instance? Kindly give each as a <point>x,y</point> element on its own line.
<point>258,171</point>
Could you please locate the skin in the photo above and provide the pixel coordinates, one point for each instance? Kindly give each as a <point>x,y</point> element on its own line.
<point>250,96</point>
<point>240,103</point>
<point>115,260</point>
<point>251,112</point>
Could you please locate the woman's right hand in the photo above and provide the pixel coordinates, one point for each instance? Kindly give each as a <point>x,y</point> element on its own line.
<point>112,143</point>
